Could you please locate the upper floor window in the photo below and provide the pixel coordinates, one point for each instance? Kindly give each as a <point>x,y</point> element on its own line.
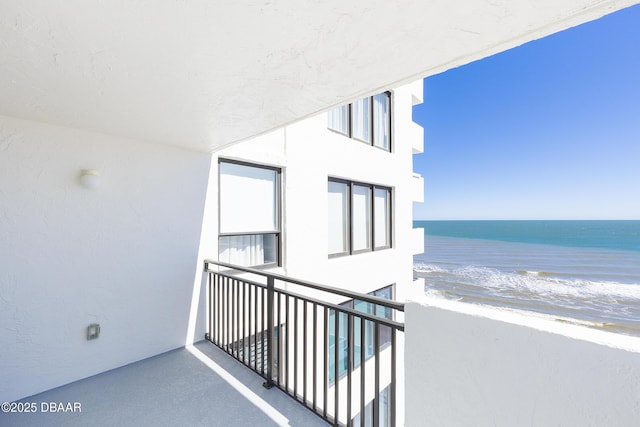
<point>367,120</point>
<point>249,222</point>
<point>359,217</point>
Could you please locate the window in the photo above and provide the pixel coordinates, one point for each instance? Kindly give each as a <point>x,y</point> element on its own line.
<point>382,121</point>
<point>361,120</point>
<point>249,223</point>
<point>367,120</point>
<point>359,217</point>
<point>338,217</point>
<point>368,329</point>
<point>382,208</point>
<point>339,119</point>
<point>384,414</point>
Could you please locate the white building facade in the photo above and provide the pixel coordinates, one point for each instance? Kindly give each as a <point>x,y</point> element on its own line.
<point>326,200</point>
<point>328,207</point>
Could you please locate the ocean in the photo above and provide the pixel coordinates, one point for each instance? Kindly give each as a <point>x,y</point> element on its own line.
<point>587,271</point>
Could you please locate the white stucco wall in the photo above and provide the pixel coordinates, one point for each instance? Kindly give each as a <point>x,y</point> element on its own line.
<point>124,255</point>
<point>478,366</point>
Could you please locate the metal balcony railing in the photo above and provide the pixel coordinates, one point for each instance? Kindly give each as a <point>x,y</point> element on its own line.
<point>340,361</point>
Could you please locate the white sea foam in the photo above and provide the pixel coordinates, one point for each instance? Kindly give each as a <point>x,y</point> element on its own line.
<point>534,273</point>
<point>434,293</point>
<point>421,267</point>
<point>539,284</point>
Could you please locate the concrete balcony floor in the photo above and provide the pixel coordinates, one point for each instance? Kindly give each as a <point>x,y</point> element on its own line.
<point>196,386</point>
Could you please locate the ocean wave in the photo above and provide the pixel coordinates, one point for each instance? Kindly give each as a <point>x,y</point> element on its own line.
<point>529,283</point>
<point>535,273</point>
<point>427,268</point>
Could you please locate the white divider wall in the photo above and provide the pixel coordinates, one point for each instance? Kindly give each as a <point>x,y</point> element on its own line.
<point>480,366</point>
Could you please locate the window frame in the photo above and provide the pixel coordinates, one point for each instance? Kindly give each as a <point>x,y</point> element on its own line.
<point>389,214</point>
<point>372,124</point>
<point>278,206</point>
<point>372,218</point>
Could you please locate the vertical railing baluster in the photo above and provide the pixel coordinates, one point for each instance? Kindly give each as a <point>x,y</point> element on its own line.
<point>278,356</point>
<point>229,309</point>
<point>262,330</point>
<point>249,324</point>
<point>326,361</point>
<point>237,339</point>
<point>218,311</point>
<point>255,329</point>
<point>230,318</point>
<point>223,313</point>
<point>376,388</point>
<point>295,347</point>
<point>315,355</point>
<point>286,352</point>
<point>336,365</point>
<point>234,316</point>
<point>363,350</point>
<point>350,355</point>
<point>216,315</point>
<point>392,398</point>
<point>244,322</point>
<point>210,279</point>
<point>270,338</point>
<point>304,353</point>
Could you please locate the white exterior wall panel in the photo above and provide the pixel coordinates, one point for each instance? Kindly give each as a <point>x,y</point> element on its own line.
<point>483,366</point>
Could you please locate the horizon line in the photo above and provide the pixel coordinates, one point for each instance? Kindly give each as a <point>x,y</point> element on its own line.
<point>528,219</point>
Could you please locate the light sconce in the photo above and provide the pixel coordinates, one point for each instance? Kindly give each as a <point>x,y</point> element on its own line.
<point>90,179</point>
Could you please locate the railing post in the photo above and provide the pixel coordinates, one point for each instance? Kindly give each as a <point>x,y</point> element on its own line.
<point>270,331</point>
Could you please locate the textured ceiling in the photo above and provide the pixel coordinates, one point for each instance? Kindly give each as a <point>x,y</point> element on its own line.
<point>202,74</point>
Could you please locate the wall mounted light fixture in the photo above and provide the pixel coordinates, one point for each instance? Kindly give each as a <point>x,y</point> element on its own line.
<point>90,179</point>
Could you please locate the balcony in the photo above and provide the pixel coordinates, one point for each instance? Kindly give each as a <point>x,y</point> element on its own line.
<point>307,358</point>
<point>289,352</point>
<point>316,361</point>
<point>336,358</point>
<point>197,385</point>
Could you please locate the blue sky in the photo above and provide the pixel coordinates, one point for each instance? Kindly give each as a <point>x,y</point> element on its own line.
<point>547,130</point>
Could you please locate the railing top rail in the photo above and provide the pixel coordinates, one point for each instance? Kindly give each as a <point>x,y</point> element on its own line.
<point>329,289</point>
<point>340,308</point>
